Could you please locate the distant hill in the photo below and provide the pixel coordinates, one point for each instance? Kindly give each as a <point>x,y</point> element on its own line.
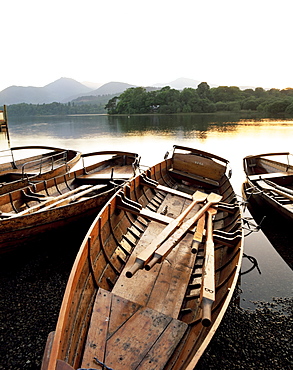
<point>66,90</point>
<point>92,85</point>
<point>180,83</point>
<point>112,88</point>
<point>57,91</point>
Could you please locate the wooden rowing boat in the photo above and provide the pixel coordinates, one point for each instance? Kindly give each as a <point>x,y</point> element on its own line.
<point>28,213</point>
<point>138,288</point>
<point>43,162</point>
<point>269,182</point>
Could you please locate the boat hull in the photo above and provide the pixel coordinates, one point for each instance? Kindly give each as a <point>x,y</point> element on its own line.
<point>269,183</point>
<point>153,319</point>
<point>19,173</point>
<point>29,214</point>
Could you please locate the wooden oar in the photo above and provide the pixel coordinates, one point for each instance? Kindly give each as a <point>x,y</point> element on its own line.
<point>197,237</point>
<point>68,200</point>
<point>167,246</point>
<point>50,201</point>
<point>279,187</point>
<point>144,256</point>
<point>269,185</point>
<point>208,281</point>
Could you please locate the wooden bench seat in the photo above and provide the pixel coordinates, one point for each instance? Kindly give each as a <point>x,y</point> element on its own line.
<point>191,176</point>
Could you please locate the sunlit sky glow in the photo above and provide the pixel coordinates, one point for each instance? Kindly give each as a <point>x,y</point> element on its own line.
<point>229,42</point>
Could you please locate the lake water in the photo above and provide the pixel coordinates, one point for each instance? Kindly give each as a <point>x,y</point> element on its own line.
<point>151,136</point>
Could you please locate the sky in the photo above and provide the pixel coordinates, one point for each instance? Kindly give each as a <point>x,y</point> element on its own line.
<point>221,42</point>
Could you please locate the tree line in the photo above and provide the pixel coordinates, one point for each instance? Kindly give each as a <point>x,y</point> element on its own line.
<point>139,100</point>
<point>203,99</point>
<point>24,109</point>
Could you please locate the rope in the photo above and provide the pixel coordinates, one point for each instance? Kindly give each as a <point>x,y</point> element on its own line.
<point>99,363</point>
<point>254,264</point>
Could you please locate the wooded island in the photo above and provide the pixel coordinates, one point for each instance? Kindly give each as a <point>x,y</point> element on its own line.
<point>203,99</point>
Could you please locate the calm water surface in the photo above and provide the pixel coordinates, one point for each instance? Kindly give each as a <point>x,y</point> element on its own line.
<point>151,136</point>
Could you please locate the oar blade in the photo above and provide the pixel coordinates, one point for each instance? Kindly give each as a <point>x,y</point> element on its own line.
<point>199,196</point>
<point>214,198</point>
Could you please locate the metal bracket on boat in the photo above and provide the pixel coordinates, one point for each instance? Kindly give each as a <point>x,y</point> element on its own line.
<point>253,190</point>
<point>166,155</point>
<point>127,204</point>
<point>230,208</point>
<point>30,197</point>
<point>228,238</point>
<point>36,195</point>
<point>145,180</point>
<point>136,164</point>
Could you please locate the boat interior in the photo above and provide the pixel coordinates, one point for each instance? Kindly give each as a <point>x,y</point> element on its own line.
<point>73,186</point>
<point>153,315</point>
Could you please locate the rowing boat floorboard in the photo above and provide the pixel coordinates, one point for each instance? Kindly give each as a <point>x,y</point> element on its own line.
<point>137,322</point>
<point>131,340</point>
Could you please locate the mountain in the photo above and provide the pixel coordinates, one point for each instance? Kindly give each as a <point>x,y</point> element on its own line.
<point>112,88</point>
<point>58,91</point>
<point>92,85</point>
<point>66,89</point>
<point>180,83</point>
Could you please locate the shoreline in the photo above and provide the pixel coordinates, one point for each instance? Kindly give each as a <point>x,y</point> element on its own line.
<point>32,285</point>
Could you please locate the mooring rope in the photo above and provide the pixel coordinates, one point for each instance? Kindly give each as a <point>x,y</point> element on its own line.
<point>254,264</point>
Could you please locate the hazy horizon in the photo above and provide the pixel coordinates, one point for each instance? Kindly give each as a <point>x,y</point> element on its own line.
<point>229,43</point>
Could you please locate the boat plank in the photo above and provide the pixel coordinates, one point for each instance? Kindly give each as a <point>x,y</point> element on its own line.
<point>162,284</point>
<point>164,346</point>
<point>97,334</point>
<point>131,288</point>
<point>146,333</point>
<point>170,286</point>
<point>121,310</point>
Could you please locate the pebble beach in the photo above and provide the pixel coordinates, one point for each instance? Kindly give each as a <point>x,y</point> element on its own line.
<point>31,289</point>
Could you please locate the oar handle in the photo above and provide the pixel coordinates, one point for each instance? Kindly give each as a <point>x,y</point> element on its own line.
<point>152,262</point>
<point>134,268</point>
<point>195,246</point>
<point>206,312</point>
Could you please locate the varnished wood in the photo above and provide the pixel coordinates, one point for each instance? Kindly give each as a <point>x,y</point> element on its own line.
<point>17,174</point>
<point>39,209</point>
<point>208,286</point>
<point>53,200</point>
<point>198,235</point>
<point>269,182</point>
<point>153,320</point>
<point>165,248</point>
<point>266,186</point>
<point>143,258</point>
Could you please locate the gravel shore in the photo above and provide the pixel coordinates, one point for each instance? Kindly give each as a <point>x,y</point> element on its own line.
<point>32,285</point>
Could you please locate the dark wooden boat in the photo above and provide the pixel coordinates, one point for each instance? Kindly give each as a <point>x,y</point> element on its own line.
<point>149,285</point>
<point>30,212</point>
<point>269,181</point>
<point>18,170</point>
